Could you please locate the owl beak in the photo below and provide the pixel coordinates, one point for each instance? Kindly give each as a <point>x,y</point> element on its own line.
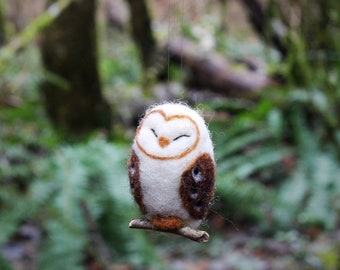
<point>163,142</point>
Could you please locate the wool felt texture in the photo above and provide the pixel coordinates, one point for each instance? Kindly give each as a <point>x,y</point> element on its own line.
<point>172,167</point>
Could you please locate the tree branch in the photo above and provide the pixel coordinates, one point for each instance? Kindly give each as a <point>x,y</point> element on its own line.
<point>213,72</point>
<point>259,21</point>
<point>192,234</point>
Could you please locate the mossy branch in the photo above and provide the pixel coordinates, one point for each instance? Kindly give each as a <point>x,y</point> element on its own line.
<point>192,234</point>
<point>31,31</point>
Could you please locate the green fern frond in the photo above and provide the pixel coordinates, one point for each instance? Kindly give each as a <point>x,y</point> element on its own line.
<point>244,164</point>
<point>94,173</point>
<point>240,200</point>
<point>250,145</point>
<point>239,142</point>
<point>64,246</point>
<point>15,207</point>
<point>310,196</point>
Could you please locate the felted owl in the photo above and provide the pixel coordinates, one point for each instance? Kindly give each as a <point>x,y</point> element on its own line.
<point>171,167</point>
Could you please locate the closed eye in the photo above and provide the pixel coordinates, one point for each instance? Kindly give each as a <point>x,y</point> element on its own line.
<point>154,133</point>
<point>185,135</point>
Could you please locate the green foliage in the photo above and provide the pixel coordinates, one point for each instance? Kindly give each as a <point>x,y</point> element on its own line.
<point>310,196</point>
<point>312,61</point>
<point>252,149</point>
<point>310,41</point>
<point>246,147</point>
<point>14,208</point>
<point>24,137</point>
<point>93,173</point>
<point>51,191</point>
<point>119,62</point>
<point>240,201</point>
<point>320,108</point>
<point>5,265</point>
<point>20,78</point>
<point>64,247</point>
<point>45,182</point>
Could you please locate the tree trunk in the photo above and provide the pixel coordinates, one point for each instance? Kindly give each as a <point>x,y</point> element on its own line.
<point>142,32</point>
<point>71,89</point>
<point>259,21</point>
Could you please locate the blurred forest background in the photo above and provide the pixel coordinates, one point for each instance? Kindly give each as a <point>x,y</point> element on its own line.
<point>75,77</point>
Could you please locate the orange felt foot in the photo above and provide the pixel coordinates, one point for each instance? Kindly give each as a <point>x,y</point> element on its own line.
<point>167,223</point>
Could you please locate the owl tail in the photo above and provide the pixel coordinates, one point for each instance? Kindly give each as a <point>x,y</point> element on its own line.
<point>167,223</point>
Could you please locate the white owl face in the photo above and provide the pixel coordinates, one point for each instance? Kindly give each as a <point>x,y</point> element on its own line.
<point>167,137</point>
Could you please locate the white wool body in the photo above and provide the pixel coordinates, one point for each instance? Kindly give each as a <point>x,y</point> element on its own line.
<point>161,167</point>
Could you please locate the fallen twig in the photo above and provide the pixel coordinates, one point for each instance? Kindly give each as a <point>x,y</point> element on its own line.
<point>195,235</point>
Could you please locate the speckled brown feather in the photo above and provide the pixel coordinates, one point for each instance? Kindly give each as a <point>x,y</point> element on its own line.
<point>198,185</point>
<point>135,186</point>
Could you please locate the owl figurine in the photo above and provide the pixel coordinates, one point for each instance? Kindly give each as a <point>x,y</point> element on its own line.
<point>171,167</point>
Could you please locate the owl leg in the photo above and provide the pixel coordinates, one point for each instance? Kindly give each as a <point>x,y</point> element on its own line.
<point>168,223</point>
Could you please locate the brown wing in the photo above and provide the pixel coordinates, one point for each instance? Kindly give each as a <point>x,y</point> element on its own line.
<point>134,176</point>
<point>198,185</point>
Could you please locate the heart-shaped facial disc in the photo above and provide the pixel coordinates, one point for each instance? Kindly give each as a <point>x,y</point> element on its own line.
<point>167,137</point>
